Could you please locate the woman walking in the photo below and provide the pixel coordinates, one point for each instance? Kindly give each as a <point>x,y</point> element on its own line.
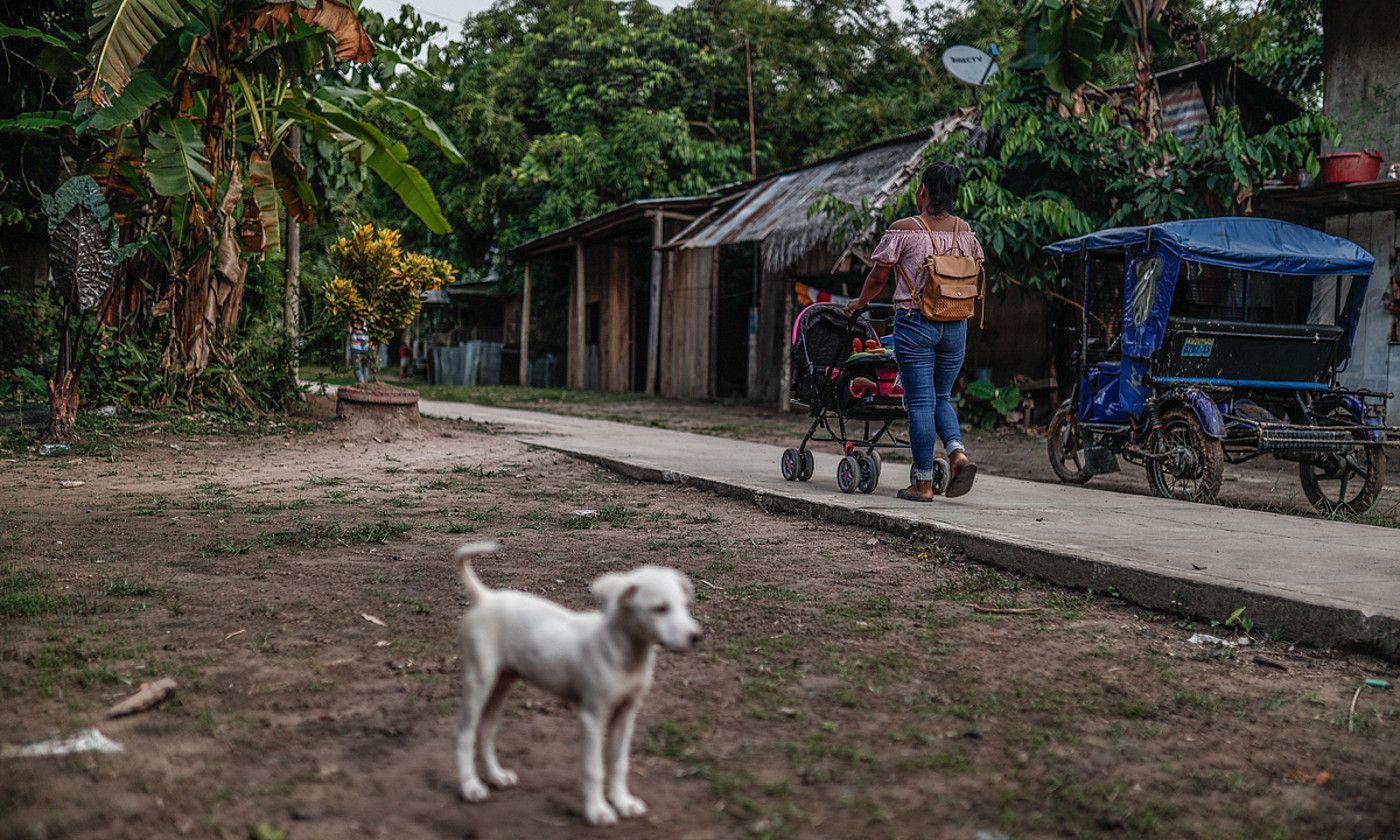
<point>929,350</point>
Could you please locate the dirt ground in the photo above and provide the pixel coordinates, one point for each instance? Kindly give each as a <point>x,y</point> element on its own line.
<point>1014,453</point>
<point>847,687</point>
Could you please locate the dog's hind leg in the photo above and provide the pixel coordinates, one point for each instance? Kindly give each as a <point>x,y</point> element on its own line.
<point>596,809</point>
<point>619,760</point>
<point>478,677</point>
<point>496,775</point>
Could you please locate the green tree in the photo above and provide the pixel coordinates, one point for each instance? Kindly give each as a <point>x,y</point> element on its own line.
<point>184,109</point>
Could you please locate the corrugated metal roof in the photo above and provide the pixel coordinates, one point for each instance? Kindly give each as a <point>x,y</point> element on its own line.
<point>774,210</point>
<point>583,228</point>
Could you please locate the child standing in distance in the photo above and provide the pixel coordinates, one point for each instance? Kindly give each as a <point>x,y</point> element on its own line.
<point>360,349</point>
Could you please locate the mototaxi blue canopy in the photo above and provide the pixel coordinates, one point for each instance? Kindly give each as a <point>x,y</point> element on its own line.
<point>1265,246</point>
<point>1244,242</point>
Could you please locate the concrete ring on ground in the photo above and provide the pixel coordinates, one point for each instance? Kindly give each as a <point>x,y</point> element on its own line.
<point>380,401</point>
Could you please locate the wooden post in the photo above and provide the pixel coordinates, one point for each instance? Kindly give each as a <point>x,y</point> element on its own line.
<point>578,352</point>
<point>654,311</point>
<point>525,329</point>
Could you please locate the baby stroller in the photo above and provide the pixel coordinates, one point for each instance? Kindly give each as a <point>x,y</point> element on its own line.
<point>844,371</point>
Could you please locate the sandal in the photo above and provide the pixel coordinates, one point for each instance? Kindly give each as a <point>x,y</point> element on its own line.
<point>962,479</point>
<point>910,497</point>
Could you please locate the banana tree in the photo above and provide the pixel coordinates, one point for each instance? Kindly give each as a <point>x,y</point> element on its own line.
<point>190,104</point>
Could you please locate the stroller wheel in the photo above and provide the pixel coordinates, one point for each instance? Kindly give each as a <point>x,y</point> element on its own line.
<point>791,464</point>
<point>878,461</point>
<point>869,472</point>
<point>940,475</point>
<point>804,470</point>
<point>847,474</point>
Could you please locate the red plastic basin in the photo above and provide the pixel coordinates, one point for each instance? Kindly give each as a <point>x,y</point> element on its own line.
<point>1350,167</point>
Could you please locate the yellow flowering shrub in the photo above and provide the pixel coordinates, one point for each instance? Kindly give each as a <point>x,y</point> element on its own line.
<point>378,282</point>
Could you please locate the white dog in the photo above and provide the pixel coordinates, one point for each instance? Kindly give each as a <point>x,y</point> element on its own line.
<point>602,661</point>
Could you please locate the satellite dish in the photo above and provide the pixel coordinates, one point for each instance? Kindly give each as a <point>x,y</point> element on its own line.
<point>969,64</point>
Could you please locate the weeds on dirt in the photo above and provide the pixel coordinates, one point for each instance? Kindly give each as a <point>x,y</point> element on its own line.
<point>324,536</point>
<point>22,595</point>
<point>616,516</point>
<point>125,587</point>
<point>224,548</point>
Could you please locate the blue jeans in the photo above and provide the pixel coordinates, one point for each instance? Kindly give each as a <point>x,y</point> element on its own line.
<point>930,355</point>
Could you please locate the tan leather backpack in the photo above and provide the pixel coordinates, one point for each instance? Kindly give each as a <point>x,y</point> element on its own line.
<point>955,280</point>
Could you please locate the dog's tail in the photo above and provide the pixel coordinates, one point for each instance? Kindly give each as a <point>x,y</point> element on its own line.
<point>464,555</point>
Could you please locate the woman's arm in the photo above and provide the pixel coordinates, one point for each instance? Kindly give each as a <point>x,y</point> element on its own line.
<point>874,284</point>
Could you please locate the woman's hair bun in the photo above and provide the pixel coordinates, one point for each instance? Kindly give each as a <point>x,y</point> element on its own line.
<point>942,181</point>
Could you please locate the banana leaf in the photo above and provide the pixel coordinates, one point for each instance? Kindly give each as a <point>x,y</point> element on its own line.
<point>175,162</point>
<point>124,31</point>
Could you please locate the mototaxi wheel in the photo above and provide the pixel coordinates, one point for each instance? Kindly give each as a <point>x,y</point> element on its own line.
<point>1344,484</point>
<point>1186,463</point>
<point>1066,448</point>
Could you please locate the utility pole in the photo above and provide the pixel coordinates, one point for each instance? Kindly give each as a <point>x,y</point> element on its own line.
<point>748,74</point>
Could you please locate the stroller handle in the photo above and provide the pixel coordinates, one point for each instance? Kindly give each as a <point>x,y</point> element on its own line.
<point>879,310</point>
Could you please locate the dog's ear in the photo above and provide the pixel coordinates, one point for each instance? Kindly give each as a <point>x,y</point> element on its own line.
<point>686,584</point>
<point>613,589</point>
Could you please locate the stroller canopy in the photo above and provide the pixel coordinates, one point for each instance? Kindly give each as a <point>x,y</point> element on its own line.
<point>1244,242</point>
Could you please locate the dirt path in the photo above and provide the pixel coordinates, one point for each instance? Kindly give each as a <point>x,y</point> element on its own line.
<point>847,687</point>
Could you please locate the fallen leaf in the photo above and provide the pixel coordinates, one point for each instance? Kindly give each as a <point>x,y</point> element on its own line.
<point>372,620</point>
<point>67,484</point>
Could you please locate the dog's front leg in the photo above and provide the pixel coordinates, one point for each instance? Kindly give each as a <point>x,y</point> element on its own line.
<point>595,808</point>
<point>619,759</point>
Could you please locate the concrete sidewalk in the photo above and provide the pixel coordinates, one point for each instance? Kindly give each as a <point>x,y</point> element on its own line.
<point>1306,579</point>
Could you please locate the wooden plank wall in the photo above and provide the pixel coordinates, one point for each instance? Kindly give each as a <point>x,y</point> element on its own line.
<point>1361,54</point>
<point>607,282</point>
<point>687,306</point>
<point>1375,361</point>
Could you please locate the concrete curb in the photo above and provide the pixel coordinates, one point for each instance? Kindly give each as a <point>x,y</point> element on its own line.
<point>1297,619</point>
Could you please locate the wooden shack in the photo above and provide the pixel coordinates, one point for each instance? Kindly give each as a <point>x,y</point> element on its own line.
<point>618,315</point>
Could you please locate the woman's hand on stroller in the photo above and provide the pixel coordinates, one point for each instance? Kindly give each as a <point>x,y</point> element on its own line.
<point>855,306</point>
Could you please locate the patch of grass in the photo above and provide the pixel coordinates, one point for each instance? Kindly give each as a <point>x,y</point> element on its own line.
<point>375,532</point>
<point>406,501</point>
<point>459,527</point>
<point>973,583</point>
<point>22,595</point>
<point>125,587</point>
<point>325,481</point>
<point>435,484</point>
<point>974,709</point>
<point>224,548</point>
<point>338,495</point>
<point>1194,700</point>
<point>877,606</point>
<point>323,536</point>
<point>1135,709</point>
